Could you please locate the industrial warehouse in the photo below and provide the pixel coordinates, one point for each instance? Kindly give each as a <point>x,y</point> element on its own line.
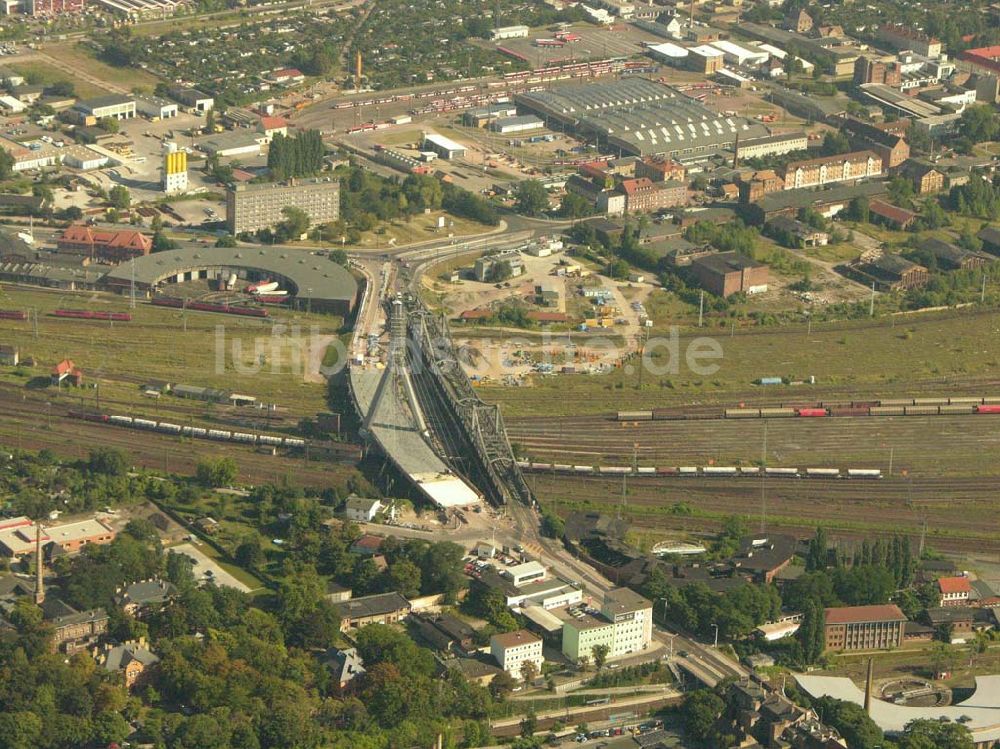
<point>642,118</point>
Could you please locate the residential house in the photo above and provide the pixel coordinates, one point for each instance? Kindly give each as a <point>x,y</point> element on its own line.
<point>660,170</point>
<point>145,596</point>
<point>800,23</point>
<point>362,509</point>
<point>367,545</point>
<point>954,591</point>
<point>344,665</point>
<point>73,630</point>
<point>132,659</point>
<point>474,669</point>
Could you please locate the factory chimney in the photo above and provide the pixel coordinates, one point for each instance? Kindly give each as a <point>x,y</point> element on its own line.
<point>868,686</point>
<point>357,71</point>
<point>39,563</point>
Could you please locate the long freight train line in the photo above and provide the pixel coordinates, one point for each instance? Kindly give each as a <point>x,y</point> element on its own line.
<point>930,445</point>
<point>851,510</point>
<point>25,426</point>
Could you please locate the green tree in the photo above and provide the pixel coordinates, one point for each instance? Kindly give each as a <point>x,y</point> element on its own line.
<point>530,198</point>
<point>216,472</point>
<point>119,197</point>
<point>226,240</point>
<point>575,205</point>
<point>552,525</point>
<point>404,577</point>
<point>934,734</point>
<point>294,224</point>
<point>108,461</point>
<point>600,653</point>
<point>699,711</point>
<point>854,724</point>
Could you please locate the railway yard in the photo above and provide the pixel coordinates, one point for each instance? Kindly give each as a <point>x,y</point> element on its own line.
<point>144,347</point>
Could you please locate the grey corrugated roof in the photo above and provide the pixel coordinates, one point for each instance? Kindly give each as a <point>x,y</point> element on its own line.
<point>312,276</point>
<point>641,116</point>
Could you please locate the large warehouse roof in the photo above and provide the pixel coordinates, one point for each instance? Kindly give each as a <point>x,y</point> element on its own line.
<point>313,277</point>
<point>642,117</point>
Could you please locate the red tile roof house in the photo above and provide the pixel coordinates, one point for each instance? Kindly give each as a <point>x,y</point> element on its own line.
<point>271,126</point>
<point>287,76</point>
<point>67,370</point>
<point>106,245</point>
<point>367,545</point>
<point>954,591</point>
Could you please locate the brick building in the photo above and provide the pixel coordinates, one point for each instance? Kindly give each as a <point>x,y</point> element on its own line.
<point>864,627</point>
<point>924,176</point>
<point>869,70</point>
<point>891,215</point>
<point>846,167</point>
<point>892,272</point>
<point>105,245</point>
<point>754,186</point>
<point>889,145</point>
<point>727,273</point>
<point>660,170</point>
<point>644,196</point>
<point>383,608</point>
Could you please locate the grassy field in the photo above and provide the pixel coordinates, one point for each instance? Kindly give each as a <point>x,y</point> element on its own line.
<point>42,73</point>
<point>214,350</point>
<point>421,228</point>
<point>863,358</point>
<point>83,58</point>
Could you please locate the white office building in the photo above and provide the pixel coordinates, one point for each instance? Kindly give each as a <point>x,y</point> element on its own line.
<point>512,649</point>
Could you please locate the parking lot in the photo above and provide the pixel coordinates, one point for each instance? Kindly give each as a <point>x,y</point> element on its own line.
<point>207,569</point>
<point>594,44</point>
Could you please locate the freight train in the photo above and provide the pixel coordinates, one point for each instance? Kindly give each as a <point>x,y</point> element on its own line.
<point>222,435</point>
<point>884,407</point>
<point>227,309</point>
<point>84,314</point>
<point>705,471</point>
<point>13,314</point>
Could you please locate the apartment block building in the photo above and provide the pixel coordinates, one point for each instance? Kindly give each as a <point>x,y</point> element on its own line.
<point>845,167</point>
<point>864,627</point>
<point>252,207</point>
<point>908,38</point>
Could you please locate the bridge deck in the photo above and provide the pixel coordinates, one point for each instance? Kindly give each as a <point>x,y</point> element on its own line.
<point>394,428</point>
